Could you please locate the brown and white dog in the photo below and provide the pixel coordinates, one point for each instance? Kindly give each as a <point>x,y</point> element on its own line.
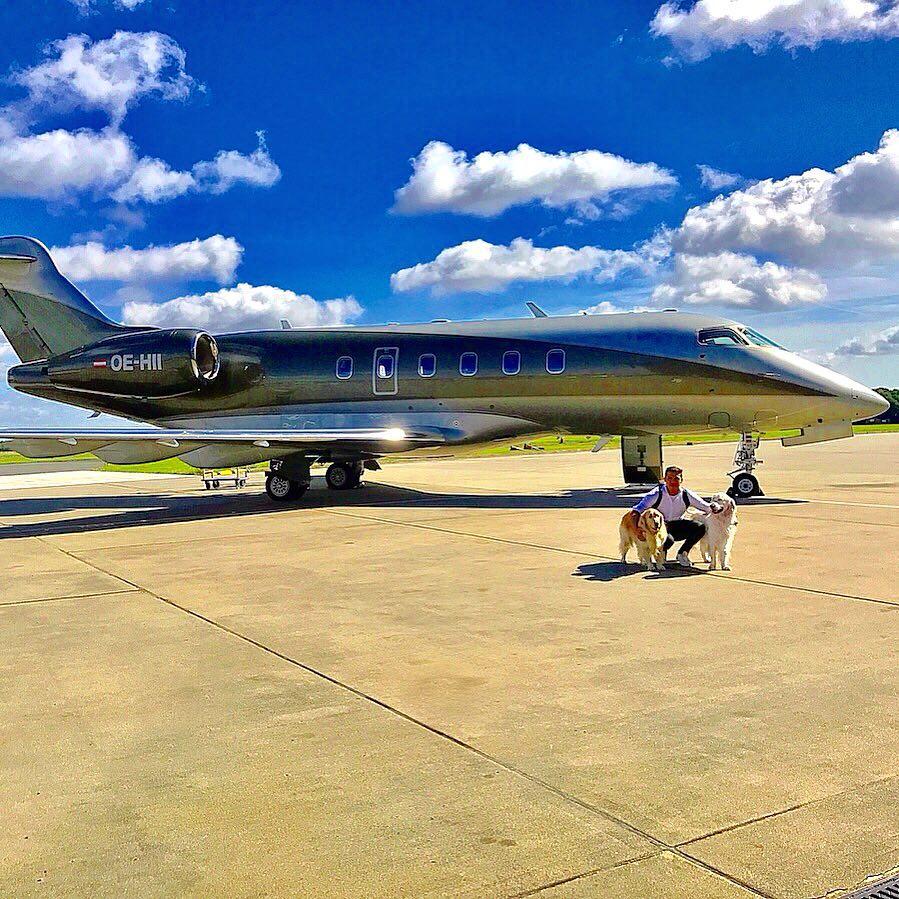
<point>649,550</point>
<point>720,529</point>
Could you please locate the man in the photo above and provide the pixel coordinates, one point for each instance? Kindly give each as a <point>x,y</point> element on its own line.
<point>673,500</point>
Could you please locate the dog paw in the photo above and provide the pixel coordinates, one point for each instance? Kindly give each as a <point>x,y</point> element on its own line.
<point>725,567</point>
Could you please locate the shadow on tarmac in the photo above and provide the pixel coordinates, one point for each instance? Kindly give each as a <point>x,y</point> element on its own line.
<point>138,510</point>
<point>612,571</point>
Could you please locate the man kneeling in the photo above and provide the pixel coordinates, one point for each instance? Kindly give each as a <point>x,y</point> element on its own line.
<point>673,500</point>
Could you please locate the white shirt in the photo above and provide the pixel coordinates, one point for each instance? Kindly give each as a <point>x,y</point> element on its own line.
<point>672,507</point>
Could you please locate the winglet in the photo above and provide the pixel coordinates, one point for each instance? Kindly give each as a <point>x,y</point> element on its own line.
<point>536,311</point>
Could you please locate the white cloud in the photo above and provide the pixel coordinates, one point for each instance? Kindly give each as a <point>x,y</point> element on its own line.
<point>85,7</point>
<point>215,257</point>
<point>732,279</point>
<point>607,308</point>
<point>882,343</point>
<point>831,220</point>
<point>445,180</point>
<point>153,181</point>
<point>715,179</point>
<point>110,74</point>
<point>56,164</point>
<point>710,25</point>
<point>244,307</point>
<point>230,167</point>
<point>483,267</point>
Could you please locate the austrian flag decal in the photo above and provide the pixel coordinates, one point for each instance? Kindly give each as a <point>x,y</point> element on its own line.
<point>100,363</point>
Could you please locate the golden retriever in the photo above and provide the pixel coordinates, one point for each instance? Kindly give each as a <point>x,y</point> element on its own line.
<point>720,529</point>
<point>649,550</point>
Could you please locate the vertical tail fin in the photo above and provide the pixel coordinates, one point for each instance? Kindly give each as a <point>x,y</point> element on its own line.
<point>41,313</point>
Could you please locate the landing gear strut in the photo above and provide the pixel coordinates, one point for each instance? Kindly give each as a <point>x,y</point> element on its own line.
<point>343,475</point>
<point>745,483</point>
<point>287,480</point>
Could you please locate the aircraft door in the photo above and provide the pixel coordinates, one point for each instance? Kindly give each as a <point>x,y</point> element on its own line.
<point>641,459</point>
<point>383,374</point>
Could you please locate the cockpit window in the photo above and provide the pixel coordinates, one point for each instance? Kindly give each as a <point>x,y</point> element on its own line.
<point>720,337</point>
<point>759,339</point>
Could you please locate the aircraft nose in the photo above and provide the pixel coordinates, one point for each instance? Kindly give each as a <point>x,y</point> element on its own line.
<point>870,402</point>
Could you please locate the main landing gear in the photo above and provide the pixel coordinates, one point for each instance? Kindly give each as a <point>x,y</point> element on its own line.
<point>343,475</point>
<point>745,483</point>
<point>287,479</point>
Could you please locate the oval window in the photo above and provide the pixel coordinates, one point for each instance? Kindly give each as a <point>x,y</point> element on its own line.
<point>468,364</point>
<point>511,362</point>
<point>345,367</point>
<point>427,365</point>
<point>555,362</point>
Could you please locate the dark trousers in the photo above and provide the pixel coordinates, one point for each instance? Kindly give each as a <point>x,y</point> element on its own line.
<point>690,532</point>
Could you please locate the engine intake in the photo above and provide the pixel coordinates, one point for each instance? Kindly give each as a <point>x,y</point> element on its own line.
<point>157,363</point>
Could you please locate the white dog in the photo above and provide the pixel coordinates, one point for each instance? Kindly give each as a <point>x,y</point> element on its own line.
<point>649,549</point>
<point>720,528</point>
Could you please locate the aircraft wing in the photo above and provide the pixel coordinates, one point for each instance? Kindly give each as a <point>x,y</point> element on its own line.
<point>206,448</point>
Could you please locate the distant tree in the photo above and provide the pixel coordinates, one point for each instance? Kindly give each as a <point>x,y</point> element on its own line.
<point>891,415</point>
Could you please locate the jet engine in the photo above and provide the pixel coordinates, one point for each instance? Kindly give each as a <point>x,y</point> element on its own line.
<point>153,363</point>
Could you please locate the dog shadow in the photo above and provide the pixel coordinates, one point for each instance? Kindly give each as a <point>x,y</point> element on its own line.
<point>605,572</point>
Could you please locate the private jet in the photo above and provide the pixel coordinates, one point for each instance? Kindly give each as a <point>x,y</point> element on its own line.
<point>347,396</point>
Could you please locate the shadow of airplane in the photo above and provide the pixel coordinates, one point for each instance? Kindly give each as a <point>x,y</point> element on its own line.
<point>136,510</point>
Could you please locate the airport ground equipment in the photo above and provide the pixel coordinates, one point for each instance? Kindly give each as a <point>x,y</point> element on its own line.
<point>345,396</point>
<point>215,478</point>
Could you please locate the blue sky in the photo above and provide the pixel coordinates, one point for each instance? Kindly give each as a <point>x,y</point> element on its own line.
<point>348,94</point>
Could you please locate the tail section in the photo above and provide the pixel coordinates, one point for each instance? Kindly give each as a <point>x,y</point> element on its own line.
<point>41,313</point>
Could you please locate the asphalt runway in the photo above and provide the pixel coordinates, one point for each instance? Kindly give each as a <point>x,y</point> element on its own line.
<point>444,684</point>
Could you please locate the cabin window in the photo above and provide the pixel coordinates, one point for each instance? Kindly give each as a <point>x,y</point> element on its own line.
<point>385,366</point>
<point>759,339</point>
<point>468,364</point>
<point>720,337</point>
<point>427,365</point>
<point>345,368</point>
<point>555,362</point>
<point>511,362</point>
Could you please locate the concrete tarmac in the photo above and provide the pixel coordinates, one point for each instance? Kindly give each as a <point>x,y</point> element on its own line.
<point>444,683</point>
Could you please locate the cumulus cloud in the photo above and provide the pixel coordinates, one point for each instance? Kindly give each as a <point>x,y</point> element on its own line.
<point>733,279</point>
<point>710,25</point>
<point>830,220</point>
<point>244,307</point>
<point>882,343</point>
<point>483,267</point>
<point>606,308</point>
<point>60,164</point>
<point>446,180</point>
<point>110,74</point>
<point>230,167</point>
<point>215,257</point>
<point>715,179</point>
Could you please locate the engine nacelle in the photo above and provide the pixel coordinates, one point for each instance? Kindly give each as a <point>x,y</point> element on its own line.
<point>156,363</point>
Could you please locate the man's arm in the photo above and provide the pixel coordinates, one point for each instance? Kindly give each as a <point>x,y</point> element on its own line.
<point>699,503</point>
<point>647,501</point>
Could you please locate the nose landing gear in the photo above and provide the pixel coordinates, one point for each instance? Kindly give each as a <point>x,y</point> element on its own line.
<point>745,483</point>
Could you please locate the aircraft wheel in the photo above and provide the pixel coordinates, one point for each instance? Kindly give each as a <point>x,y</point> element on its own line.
<point>744,485</point>
<point>339,476</point>
<point>282,490</point>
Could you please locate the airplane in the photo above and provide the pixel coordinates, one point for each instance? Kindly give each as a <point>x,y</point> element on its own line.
<point>345,396</point>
